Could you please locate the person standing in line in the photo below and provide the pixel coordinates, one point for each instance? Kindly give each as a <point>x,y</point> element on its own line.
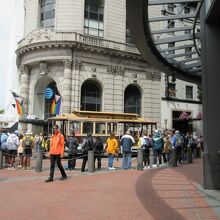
<point>112,150</point>
<point>4,144</point>
<point>20,152</point>
<point>157,148</point>
<point>166,149</point>
<point>178,145</point>
<point>37,140</point>
<point>98,149</point>
<point>87,145</point>
<point>56,152</point>
<point>12,146</point>
<point>28,144</point>
<point>146,145</point>
<point>200,145</point>
<point>126,142</point>
<point>72,144</point>
<point>44,144</point>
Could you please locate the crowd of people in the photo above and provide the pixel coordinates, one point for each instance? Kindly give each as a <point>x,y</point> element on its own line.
<point>160,145</point>
<point>163,145</point>
<point>15,144</point>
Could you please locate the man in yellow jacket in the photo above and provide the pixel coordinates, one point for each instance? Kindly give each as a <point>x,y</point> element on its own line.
<point>55,153</point>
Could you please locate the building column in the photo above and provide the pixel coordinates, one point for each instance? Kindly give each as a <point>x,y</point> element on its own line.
<point>24,92</point>
<point>67,87</point>
<point>75,104</point>
<point>211,120</point>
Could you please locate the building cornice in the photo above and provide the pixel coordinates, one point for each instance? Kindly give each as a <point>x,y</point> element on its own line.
<point>42,38</point>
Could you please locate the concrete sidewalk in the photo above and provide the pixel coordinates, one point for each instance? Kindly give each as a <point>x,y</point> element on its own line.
<point>162,193</point>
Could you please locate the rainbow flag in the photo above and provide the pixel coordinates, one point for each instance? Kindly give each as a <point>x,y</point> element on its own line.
<point>55,105</point>
<point>19,100</point>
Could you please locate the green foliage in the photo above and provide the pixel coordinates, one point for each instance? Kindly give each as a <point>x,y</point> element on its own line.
<point>2,111</point>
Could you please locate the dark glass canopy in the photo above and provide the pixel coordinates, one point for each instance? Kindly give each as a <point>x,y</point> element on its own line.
<point>167,34</point>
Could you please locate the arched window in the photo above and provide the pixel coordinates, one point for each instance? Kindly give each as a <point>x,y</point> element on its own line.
<point>48,102</point>
<point>90,96</point>
<point>47,14</point>
<point>132,100</point>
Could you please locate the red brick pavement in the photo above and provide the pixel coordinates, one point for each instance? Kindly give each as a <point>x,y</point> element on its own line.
<point>162,193</point>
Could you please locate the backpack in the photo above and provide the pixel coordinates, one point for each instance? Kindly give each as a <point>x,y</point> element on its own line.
<point>148,143</point>
<point>28,142</point>
<point>98,148</point>
<point>90,144</point>
<point>179,141</point>
<point>72,144</point>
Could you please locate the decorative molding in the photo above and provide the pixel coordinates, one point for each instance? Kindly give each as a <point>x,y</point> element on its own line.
<point>77,65</point>
<point>24,69</point>
<point>135,75</point>
<point>153,75</point>
<point>47,38</point>
<point>116,70</point>
<point>68,64</point>
<point>43,68</point>
<point>93,69</point>
<point>39,35</point>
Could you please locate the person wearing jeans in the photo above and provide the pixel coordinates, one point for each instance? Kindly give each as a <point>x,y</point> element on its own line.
<point>126,142</point>
<point>112,149</point>
<point>126,160</point>
<point>55,153</point>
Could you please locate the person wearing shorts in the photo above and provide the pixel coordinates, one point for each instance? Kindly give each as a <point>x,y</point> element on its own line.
<point>12,145</point>
<point>28,144</point>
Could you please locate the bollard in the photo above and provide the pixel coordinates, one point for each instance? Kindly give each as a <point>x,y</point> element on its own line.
<point>1,159</point>
<point>91,164</point>
<point>39,161</point>
<point>174,158</point>
<point>140,159</point>
<point>189,155</point>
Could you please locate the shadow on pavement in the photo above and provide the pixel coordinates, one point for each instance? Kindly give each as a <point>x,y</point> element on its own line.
<point>153,203</point>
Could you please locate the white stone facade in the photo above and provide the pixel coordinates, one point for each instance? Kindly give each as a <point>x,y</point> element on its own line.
<point>67,57</point>
<point>180,103</point>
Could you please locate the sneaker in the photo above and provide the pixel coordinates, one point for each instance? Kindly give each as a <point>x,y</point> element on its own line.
<point>63,178</point>
<point>110,168</point>
<point>9,167</point>
<point>113,168</point>
<point>145,167</point>
<point>19,166</point>
<point>154,166</point>
<point>48,180</point>
<point>148,167</point>
<point>13,168</point>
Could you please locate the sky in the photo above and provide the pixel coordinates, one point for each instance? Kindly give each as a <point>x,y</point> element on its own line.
<point>11,31</point>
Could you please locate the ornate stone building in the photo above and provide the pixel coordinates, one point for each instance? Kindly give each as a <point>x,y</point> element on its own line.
<point>83,51</point>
